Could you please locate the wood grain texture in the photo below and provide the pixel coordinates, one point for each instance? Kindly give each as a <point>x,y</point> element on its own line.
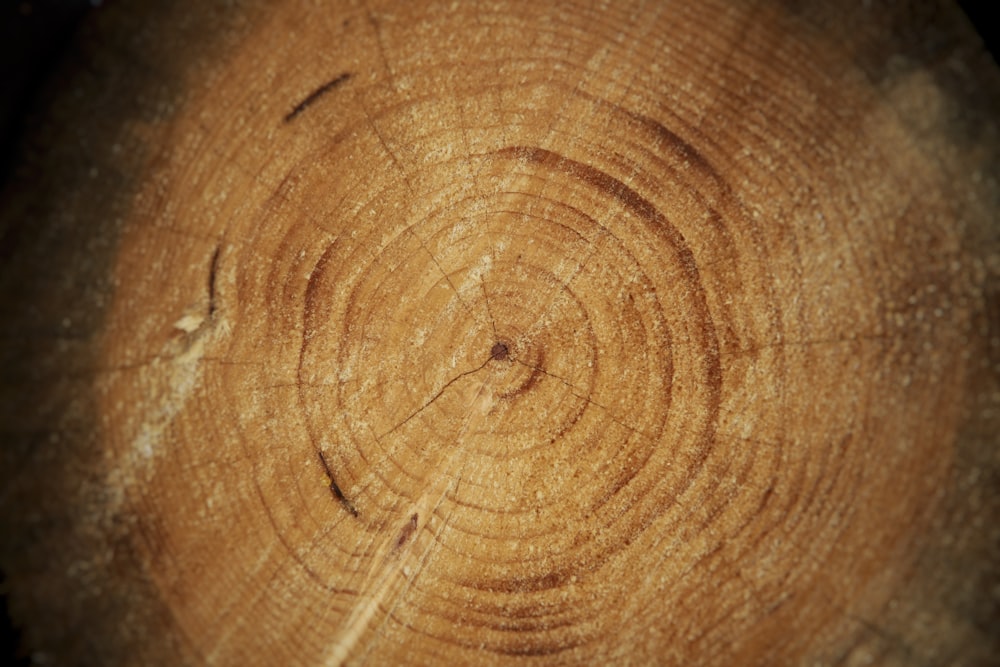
<point>501,332</point>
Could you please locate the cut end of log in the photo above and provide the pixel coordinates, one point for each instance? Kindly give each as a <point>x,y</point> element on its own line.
<point>401,335</point>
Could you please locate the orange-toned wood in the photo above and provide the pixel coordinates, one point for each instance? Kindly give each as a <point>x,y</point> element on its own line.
<point>503,332</point>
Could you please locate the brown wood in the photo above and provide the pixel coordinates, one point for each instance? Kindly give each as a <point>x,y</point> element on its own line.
<point>486,333</point>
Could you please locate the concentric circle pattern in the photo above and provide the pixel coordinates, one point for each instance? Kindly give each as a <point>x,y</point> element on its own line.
<point>462,333</point>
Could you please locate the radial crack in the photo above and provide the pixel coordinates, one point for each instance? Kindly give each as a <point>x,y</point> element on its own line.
<point>576,391</point>
<point>436,396</point>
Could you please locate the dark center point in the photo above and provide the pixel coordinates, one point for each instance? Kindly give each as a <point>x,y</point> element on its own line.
<point>500,351</point>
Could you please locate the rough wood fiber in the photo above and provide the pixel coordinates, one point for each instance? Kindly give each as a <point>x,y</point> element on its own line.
<point>500,332</point>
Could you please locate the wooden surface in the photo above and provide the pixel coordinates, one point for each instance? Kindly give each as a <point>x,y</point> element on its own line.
<point>453,333</point>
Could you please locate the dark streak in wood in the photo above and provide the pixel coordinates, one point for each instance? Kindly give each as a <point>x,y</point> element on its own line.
<point>213,271</point>
<point>315,95</point>
<point>679,146</point>
<point>407,532</point>
<point>335,490</point>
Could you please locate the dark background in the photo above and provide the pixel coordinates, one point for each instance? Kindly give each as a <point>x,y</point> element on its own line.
<point>34,36</point>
